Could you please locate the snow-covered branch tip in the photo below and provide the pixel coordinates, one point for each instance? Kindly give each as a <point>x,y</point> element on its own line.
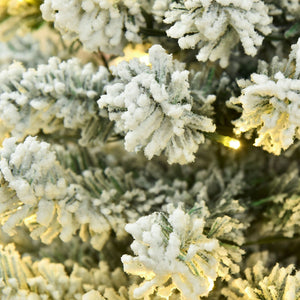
<point>26,277</point>
<point>265,284</point>
<point>56,98</point>
<point>152,107</point>
<point>270,103</point>
<point>176,251</point>
<point>216,26</point>
<point>281,213</point>
<point>100,25</point>
<point>37,190</point>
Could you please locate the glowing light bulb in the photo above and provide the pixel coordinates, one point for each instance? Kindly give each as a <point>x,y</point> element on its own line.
<point>229,142</point>
<point>234,144</point>
<point>225,140</point>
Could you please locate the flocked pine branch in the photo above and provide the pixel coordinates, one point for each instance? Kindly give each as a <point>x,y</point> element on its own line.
<point>261,283</point>
<point>216,26</point>
<point>281,206</point>
<point>179,250</point>
<point>270,103</point>
<point>152,106</point>
<point>73,188</point>
<point>59,206</point>
<point>27,278</point>
<point>25,188</point>
<point>56,98</point>
<point>100,25</point>
<point>91,200</point>
<point>211,201</point>
<point>222,191</point>
<point>159,9</point>
<point>26,50</point>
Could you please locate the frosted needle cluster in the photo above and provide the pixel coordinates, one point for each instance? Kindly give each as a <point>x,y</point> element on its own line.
<point>216,26</point>
<point>270,103</point>
<point>152,107</point>
<point>173,248</point>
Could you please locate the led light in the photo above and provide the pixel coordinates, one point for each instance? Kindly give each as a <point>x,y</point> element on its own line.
<point>234,144</point>
<point>229,142</point>
<point>225,140</point>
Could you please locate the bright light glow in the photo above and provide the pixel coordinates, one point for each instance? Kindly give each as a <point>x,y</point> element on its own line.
<point>145,59</point>
<point>29,220</point>
<point>130,52</point>
<point>227,141</point>
<point>211,283</point>
<point>234,144</point>
<point>34,2</point>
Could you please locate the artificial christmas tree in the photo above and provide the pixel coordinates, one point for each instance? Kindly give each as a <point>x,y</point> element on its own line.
<point>170,172</point>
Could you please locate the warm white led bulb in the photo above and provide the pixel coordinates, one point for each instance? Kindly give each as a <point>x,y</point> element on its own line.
<point>234,144</point>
